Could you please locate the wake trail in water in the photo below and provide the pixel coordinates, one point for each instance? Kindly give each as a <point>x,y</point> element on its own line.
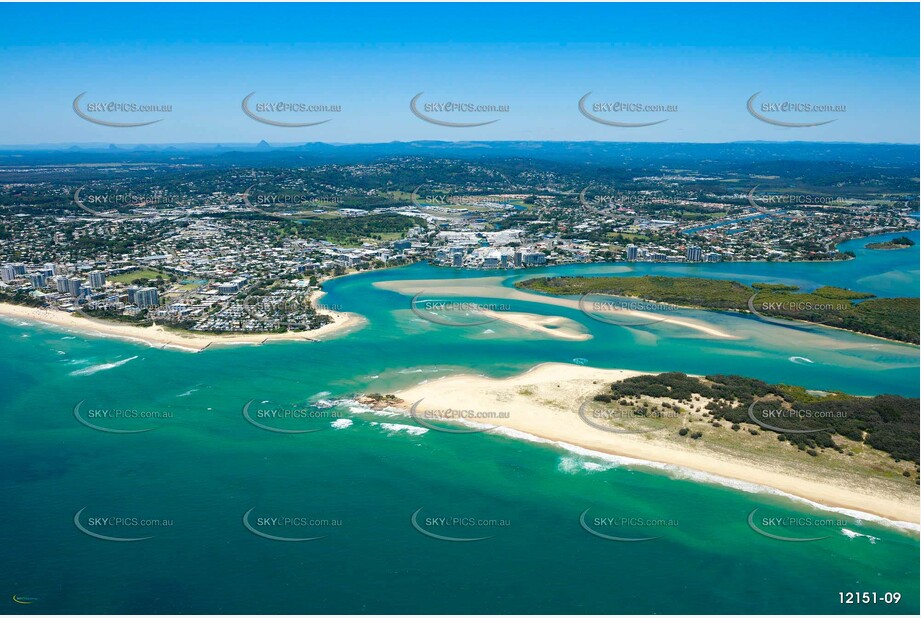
<point>88,371</point>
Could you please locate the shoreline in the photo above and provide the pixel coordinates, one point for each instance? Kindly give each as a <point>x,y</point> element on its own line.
<point>742,312</point>
<point>556,422</point>
<point>161,337</point>
<point>711,478</point>
<point>408,287</point>
<point>738,312</point>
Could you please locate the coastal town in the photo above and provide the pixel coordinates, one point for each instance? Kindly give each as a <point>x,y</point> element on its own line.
<point>230,252</point>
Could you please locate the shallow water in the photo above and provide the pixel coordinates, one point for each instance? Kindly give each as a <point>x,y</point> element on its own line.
<point>204,466</point>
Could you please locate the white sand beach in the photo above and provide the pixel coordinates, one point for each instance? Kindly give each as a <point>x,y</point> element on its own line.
<point>544,402</point>
<point>161,337</point>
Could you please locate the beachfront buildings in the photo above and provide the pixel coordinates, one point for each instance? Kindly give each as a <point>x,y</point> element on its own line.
<point>146,297</point>
<point>97,279</point>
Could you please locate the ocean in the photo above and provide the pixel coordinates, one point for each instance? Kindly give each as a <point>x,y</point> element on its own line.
<point>366,512</point>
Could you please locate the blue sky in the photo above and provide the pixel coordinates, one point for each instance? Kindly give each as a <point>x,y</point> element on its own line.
<point>539,60</point>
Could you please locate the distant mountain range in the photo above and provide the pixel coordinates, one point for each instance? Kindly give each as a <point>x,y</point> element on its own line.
<point>592,153</point>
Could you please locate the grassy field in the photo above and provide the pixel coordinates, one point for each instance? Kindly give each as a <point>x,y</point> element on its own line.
<point>390,236</point>
<point>186,287</point>
<point>628,236</point>
<point>701,216</point>
<point>144,273</point>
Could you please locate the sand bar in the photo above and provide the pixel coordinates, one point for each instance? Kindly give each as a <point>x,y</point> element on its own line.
<point>544,402</point>
<point>487,287</point>
<point>550,325</point>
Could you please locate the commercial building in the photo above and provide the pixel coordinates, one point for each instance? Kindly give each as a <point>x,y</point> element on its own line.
<point>146,297</point>
<point>534,259</point>
<point>74,286</point>
<point>7,272</point>
<point>97,279</point>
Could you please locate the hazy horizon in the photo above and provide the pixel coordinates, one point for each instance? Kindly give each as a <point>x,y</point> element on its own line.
<point>278,144</point>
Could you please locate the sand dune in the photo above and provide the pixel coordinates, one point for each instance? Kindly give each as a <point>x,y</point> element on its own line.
<point>544,402</point>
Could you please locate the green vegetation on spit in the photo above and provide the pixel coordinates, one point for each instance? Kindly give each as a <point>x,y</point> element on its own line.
<point>902,242</point>
<point>890,318</point>
<point>806,419</point>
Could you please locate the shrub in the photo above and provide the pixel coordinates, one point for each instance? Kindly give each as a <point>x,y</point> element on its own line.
<point>887,423</point>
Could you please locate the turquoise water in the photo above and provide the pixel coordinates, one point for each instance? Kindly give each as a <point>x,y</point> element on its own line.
<point>204,466</point>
